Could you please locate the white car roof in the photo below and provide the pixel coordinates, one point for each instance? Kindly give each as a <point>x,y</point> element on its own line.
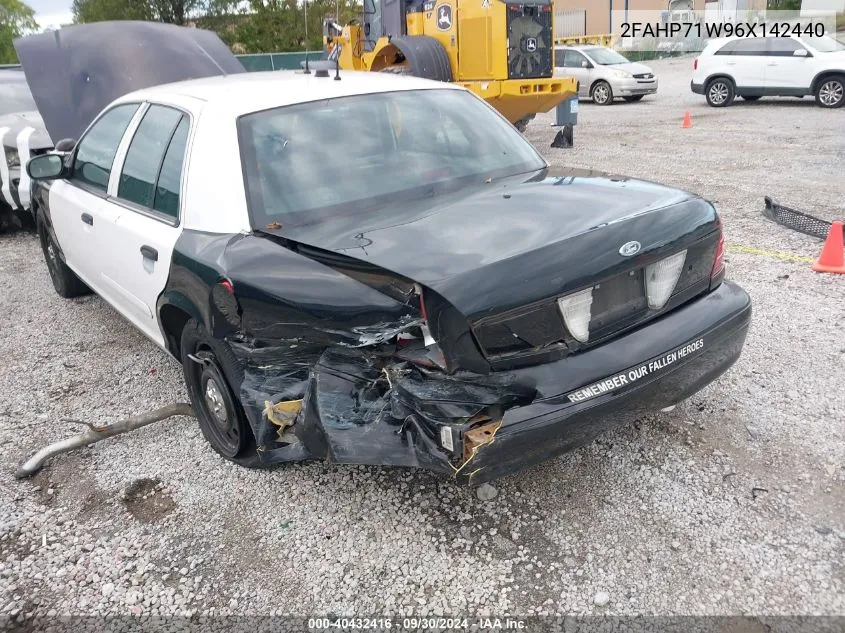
<point>242,93</point>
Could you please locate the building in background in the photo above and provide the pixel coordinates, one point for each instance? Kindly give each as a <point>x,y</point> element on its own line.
<point>595,17</point>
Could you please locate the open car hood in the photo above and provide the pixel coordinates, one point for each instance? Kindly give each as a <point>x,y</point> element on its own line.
<point>77,71</point>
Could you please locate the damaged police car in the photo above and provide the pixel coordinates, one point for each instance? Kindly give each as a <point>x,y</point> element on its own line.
<point>382,270</point>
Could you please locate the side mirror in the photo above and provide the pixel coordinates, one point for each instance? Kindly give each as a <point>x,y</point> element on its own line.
<point>586,64</point>
<point>65,145</point>
<point>46,167</point>
<point>801,52</point>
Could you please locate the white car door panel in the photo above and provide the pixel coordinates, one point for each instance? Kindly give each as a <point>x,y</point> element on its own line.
<point>145,186</point>
<point>79,209</point>
<point>146,250</point>
<point>785,69</point>
<point>747,63</point>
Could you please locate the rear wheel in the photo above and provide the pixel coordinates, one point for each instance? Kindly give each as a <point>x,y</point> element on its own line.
<point>65,281</point>
<point>602,93</point>
<point>751,97</point>
<point>210,368</point>
<point>720,92</point>
<point>634,98</point>
<point>830,92</point>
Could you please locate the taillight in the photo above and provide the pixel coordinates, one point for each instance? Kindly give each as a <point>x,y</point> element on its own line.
<point>719,257</point>
<point>695,64</point>
<point>661,277</point>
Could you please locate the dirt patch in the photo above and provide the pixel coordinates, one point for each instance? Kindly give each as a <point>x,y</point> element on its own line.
<point>148,500</point>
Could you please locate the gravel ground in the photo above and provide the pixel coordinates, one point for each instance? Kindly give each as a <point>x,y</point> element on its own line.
<point>734,503</point>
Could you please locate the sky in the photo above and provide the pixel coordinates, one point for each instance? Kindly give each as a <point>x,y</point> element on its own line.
<point>51,13</point>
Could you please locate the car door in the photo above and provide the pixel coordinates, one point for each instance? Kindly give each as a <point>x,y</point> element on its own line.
<point>78,207</point>
<point>147,186</point>
<point>576,64</point>
<point>789,67</point>
<point>747,63</point>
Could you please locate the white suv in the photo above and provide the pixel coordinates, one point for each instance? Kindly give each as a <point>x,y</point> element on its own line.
<point>771,66</point>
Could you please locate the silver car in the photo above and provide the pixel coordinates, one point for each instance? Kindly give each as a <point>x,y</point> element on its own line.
<point>603,74</point>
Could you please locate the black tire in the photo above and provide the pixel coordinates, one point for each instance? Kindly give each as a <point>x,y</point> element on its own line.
<point>750,97</point>
<point>65,281</point>
<point>210,369</point>
<point>601,93</point>
<point>634,98</point>
<point>425,56</point>
<point>720,92</point>
<point>830,92</point>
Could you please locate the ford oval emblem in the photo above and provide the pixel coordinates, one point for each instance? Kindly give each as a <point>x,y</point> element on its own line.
<point>629,248</point>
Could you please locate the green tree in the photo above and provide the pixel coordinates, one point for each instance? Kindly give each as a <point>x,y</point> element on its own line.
<point>170,11</point>
<point>267,26</point>
<point>16,18</point>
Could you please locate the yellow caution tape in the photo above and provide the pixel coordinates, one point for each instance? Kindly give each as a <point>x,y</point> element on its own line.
<point>782,255</point>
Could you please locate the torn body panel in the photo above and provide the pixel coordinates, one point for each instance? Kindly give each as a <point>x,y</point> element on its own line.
<point>342,346</point>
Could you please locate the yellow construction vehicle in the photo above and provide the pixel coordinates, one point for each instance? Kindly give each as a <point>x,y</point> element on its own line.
<point>502,51</point>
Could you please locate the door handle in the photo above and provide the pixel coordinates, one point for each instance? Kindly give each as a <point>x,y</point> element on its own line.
<point>88,219</point>
<point>149,253</point>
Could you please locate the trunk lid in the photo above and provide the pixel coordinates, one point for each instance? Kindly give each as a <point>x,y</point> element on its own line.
<point>505,245</point>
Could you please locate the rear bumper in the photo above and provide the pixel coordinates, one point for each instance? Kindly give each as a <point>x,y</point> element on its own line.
<point>566,403</point>
<point>553,424</point>
<point>696,88</point>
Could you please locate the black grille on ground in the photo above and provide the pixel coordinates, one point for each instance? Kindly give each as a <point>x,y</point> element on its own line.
<point>536,333</point>
<point>796,220</point>
<point>529,40</point>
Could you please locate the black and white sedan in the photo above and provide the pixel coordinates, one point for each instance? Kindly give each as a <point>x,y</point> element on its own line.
<point>382,270</point>
<point>22,135</point>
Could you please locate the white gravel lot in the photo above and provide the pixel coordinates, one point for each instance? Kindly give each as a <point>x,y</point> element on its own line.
<point>734,503</point>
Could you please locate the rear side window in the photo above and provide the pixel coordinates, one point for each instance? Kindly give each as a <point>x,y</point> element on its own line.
<point>750,46</point>
<point>169,179</point>
<point>783,47</point>
<point>95,154</point>
<point>146,155</point>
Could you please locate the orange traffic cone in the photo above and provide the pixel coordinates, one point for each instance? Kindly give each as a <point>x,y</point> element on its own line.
<point>687,121</point>
<point>832,259</point>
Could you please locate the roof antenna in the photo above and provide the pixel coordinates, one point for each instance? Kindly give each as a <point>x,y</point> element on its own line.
<point>307,70</point>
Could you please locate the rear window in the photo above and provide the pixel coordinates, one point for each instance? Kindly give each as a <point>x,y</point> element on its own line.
<point>352,154</point>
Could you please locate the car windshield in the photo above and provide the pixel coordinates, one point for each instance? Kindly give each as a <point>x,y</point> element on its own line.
<point>606,56</point>
<point>352,154</point>
<point>14,93</point>
<point>824,44</point>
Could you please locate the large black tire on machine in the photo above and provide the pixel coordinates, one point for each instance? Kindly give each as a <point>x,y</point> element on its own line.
<point>425,57</point>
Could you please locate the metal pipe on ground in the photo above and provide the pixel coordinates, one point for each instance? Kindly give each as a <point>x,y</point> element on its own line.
<point>97,434</point>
